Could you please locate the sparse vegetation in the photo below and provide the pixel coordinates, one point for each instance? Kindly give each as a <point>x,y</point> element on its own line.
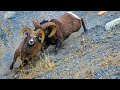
<point>37,71</point>
<point>97,56</point>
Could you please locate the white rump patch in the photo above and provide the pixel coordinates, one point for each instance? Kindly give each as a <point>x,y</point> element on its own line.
<point>74,15</point>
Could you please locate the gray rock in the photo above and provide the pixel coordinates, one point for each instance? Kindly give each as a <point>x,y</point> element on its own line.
<point>113,24</point>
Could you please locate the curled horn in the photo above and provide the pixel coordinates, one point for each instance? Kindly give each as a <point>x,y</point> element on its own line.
<point>52,25</point>
<point>41,32</point>
<point>23,31</point>
<point>36,24</point>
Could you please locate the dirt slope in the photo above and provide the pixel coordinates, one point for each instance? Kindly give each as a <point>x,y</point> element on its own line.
<point>97,57</point>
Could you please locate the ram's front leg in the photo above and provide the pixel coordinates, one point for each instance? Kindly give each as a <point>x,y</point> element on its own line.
<point>44,47</point>
<point>58,46</point>
<point>16,55</point>
<point>24,63</point>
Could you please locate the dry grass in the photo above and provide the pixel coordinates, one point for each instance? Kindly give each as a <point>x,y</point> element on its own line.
<point>97,63</point>
<point>85,72</point>
<point>37,70</point>
<point>76,75</point>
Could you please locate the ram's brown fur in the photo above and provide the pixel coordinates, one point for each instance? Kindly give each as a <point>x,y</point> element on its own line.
<point>25,51</point>
<point>65,26</point>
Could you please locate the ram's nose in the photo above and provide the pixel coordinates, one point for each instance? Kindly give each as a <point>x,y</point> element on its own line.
<point>31,41</point>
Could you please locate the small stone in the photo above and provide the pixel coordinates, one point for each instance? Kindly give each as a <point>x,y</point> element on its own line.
<point>101,13</point>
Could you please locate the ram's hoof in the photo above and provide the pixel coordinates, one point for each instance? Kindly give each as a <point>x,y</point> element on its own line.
<point>11,68</point>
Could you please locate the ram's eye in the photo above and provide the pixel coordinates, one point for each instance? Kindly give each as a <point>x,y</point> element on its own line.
<point>26,34</point>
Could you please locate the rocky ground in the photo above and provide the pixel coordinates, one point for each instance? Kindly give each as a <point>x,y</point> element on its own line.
<point>92,56</point>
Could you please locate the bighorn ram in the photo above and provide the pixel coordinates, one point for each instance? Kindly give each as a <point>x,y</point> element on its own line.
<point>29,48</point>
<point>62,29</point>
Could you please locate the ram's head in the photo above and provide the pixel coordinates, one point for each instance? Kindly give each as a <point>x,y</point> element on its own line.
<point>49,28</point>
<point>33,37</point>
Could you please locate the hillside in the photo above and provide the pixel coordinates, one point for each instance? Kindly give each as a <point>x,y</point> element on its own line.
<point>92,56</point>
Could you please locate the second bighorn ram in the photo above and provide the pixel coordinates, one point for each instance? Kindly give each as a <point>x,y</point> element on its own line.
<point>62,28</point>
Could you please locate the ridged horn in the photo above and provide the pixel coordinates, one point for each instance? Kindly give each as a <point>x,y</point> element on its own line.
<point>52,25</point>
<point>23,31</point>
<point>41,32</point>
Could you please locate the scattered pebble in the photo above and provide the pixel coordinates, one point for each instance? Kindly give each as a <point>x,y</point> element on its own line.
<point>101,13</point>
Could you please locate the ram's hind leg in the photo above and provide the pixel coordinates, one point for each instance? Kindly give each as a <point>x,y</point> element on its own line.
<point>84,27</point>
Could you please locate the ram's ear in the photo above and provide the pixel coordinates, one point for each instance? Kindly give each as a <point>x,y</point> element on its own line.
<point>36,24</point>
<point>24,30</point>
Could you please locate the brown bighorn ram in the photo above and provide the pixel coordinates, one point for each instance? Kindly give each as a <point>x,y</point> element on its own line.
<point>31,45</point>
<point>63,27</point>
